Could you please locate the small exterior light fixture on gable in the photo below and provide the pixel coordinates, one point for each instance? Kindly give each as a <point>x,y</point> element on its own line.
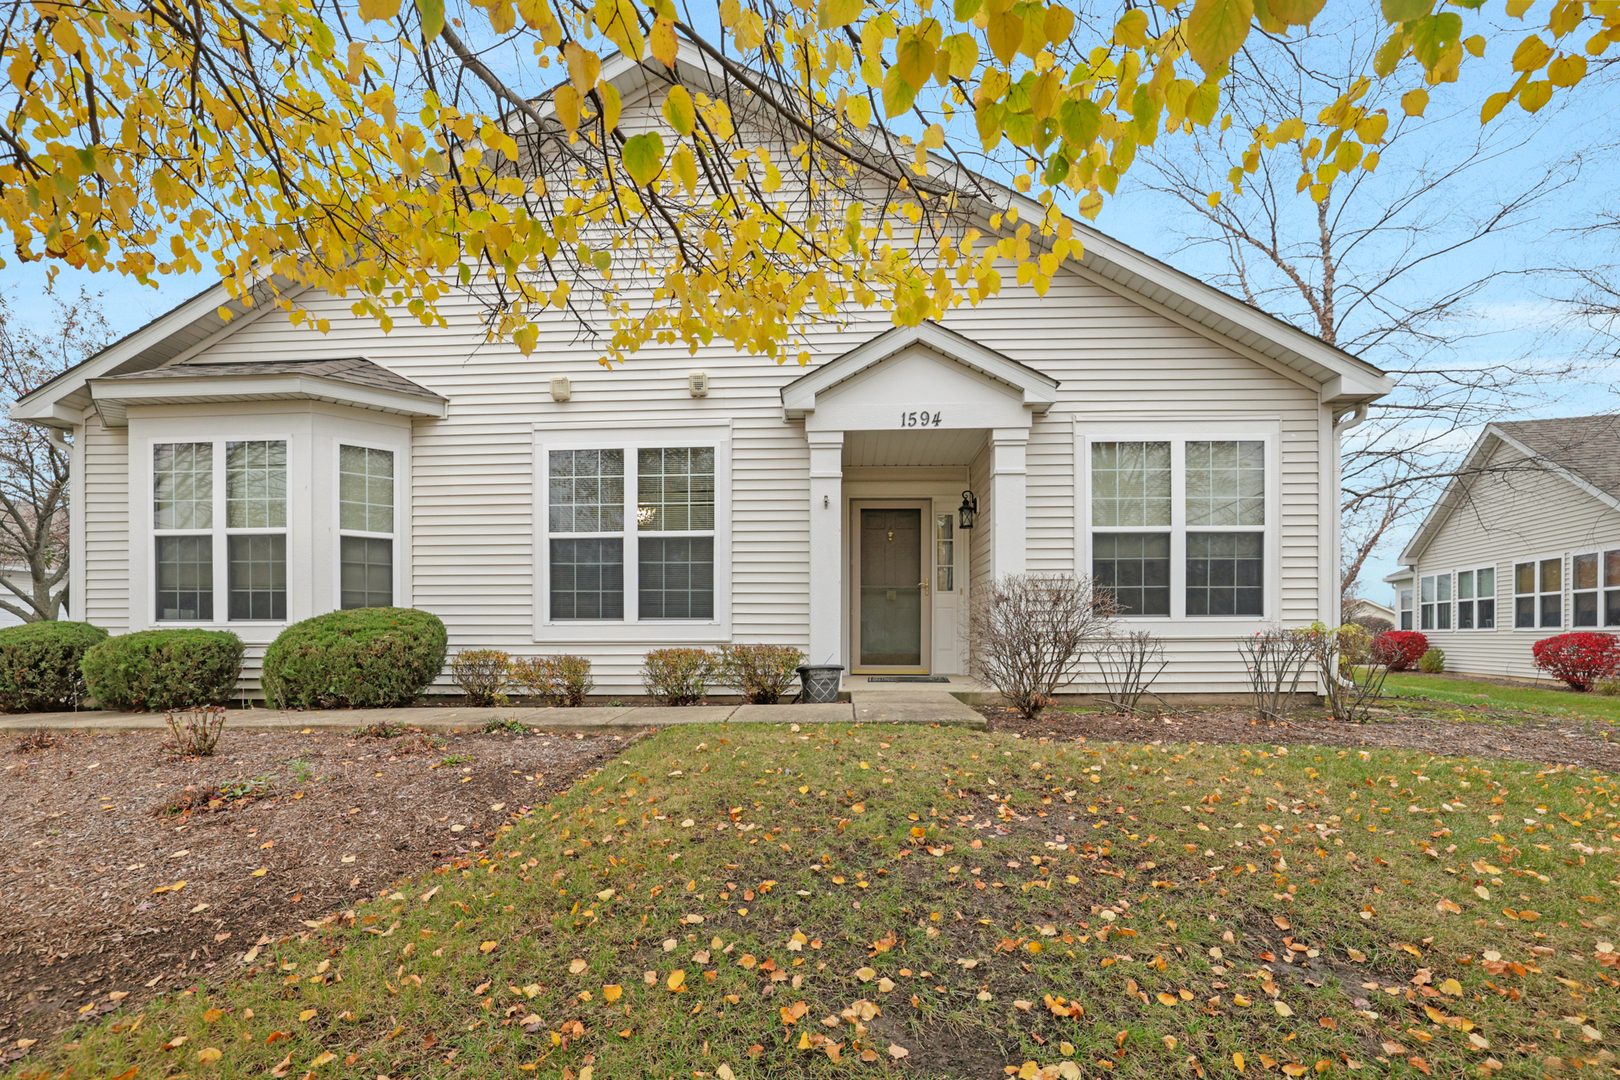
<point>561,388</point>
<point>968,512</point>
<point>697,383</point>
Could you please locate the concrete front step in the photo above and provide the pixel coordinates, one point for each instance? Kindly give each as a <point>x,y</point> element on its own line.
<point>913,707</point>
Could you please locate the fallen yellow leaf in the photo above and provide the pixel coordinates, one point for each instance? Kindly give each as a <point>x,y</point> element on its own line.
<point>1283,1009</point>
<point>488,946</point>
<point>576,966</point>
<point>612,992</point>
<point>208,1055</point>
<point>677,979</point>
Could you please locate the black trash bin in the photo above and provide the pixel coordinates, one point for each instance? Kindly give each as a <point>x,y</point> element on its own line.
<point>820,682</point>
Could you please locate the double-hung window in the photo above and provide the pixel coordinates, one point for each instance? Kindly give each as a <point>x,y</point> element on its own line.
<point>1584,599</point>
<point>1426,603</point>
<point>1178,526</point>
<point>648,510</point>
<point>366,495</point>
<point>199,521</point>
<point>1476,599</point>
<point>1406,609</point>
<point>1538,594</point>
<point>1611,587</point>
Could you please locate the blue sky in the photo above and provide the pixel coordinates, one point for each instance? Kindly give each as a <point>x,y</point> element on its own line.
<point>1516,320</point>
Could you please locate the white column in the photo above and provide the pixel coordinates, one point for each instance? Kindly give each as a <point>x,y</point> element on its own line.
<point>1008,478</point>
<point>826,547</point>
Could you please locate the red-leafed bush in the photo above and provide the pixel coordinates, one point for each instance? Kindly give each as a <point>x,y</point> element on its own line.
<point>1399,650</point>
<point>1580,659</point>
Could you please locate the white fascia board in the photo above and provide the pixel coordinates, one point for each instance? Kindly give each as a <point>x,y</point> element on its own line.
<point>114,397</point>
<point>1039,390</point>
<point>1398,576</point>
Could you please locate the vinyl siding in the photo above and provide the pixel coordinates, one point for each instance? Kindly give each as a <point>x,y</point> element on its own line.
<point>105,490</point>
<point>473,473</point>
<point>1515,512</point>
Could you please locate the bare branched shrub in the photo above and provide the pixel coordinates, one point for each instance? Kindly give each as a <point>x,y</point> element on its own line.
<point>483,675</point>
<point>1128,664</point>
<point>558,681</point>
<point>1030,632</point>
<point>677,676</point>
<point>1352,681</point>
<point>1276,660</point>
<point>760,673</point>
<point>195,732</point>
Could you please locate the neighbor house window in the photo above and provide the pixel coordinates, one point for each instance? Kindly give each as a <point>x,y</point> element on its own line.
<point>1538,594</point>
<point>193,526</point>
<point>1476,599</point>
<point>666,495</point>
<point>1406,609</point>
<point>1426,603</point>
<point>366,494</point>
<point>1611,587</point>
<point>1583,590</point>
<point>1442,602</point>
<point>1180,516</point>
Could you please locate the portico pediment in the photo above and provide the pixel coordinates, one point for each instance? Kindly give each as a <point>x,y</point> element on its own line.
<point>921,377</point>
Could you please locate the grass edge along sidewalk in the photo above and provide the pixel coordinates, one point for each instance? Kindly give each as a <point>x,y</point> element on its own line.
<point>872,900</point>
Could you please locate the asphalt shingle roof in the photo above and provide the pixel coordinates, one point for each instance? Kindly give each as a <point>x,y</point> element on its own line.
<point>1588,446</point>
<point>354,370</point>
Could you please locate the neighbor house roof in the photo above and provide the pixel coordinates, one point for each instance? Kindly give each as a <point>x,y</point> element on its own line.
<point>1584,450</point>
<point>1340,379</point>
<point>353,381</point>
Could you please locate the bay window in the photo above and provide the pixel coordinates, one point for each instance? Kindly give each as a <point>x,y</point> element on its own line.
<point>198,521</point>
<point>365,527</point>
<point>630,533</point>
<point>1178,526</point>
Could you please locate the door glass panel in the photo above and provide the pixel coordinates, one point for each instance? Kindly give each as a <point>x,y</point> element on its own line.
<point>891,588</point>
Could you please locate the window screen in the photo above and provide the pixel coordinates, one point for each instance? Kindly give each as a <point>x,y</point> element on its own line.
<point>367,572</point>
<point>257,569</point>
<point>185,578</point>
<point>1225,573</point>
<point>676,577</point>
<point>587,578</point>
<point>1135,568</point>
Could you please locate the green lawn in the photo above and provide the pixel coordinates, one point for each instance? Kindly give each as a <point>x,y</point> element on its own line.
<point>1495,695</point>
<point>864,901</point>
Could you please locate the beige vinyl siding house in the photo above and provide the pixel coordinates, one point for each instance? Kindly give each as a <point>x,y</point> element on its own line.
<point>815,507</point>
<point>1524,544</point>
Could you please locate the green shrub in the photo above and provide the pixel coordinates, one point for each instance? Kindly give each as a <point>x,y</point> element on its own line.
<point>40,664</point>
<point>156,670</point>
<point>364,658</point>
<point>677,676</point>
<point>1608,687</point>
<point>1432,662</point>
<point>558,681</point>
<point>761,673</point>
<point>482,675</point>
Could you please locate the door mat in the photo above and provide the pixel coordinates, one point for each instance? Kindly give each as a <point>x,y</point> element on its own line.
<point>907,678</point>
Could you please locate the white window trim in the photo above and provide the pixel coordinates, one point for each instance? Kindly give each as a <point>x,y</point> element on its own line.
<point>1457,601</point>
<point>631,436</point>
<point>1450,604</point>
<point>218,531</point>
<point>1562,593</point>
<point>1178,434</point>
<point>1597,590</point>
<point>401,454</point>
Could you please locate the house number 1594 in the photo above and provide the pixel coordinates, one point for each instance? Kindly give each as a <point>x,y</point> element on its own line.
<point>919,419</point>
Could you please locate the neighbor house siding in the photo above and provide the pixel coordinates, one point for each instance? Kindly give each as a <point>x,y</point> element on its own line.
<point>1515,512</point>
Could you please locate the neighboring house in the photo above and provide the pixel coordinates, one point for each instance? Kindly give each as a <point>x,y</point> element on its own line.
<point>1369,609</point>
<point>1135,423</point>
<point>17,575</point>
<point>1523,544</point>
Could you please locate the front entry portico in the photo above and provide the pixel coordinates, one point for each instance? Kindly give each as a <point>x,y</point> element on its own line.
<point>897,429</point>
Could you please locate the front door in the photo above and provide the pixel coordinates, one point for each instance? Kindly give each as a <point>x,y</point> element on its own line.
<point>892,612</point>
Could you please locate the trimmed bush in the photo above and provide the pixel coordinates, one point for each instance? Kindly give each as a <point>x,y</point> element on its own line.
<point>1399,650</point>
<point>1432,662</point>
<point>40,664</point>
<point>482,675</point>
<point>364,658</point>
<point>677,676</point>
<point>558,681</point>
<point>157,670</point>
<point>761,673</point>
<point>1580,659</point>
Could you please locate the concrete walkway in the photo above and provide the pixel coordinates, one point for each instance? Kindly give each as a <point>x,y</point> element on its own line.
<point>934,707</point>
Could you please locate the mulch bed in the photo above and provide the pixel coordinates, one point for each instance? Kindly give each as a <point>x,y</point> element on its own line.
<point>1524,737</point>
<point>97,832</point>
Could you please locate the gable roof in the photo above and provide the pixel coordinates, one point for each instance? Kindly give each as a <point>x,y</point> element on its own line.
<point>1039,390</point>
<point>1341,379</point>
<point>1584,450</point>
<point>353,381</point>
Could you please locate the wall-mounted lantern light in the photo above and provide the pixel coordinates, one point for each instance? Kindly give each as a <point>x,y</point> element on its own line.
<point>968,511</point>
